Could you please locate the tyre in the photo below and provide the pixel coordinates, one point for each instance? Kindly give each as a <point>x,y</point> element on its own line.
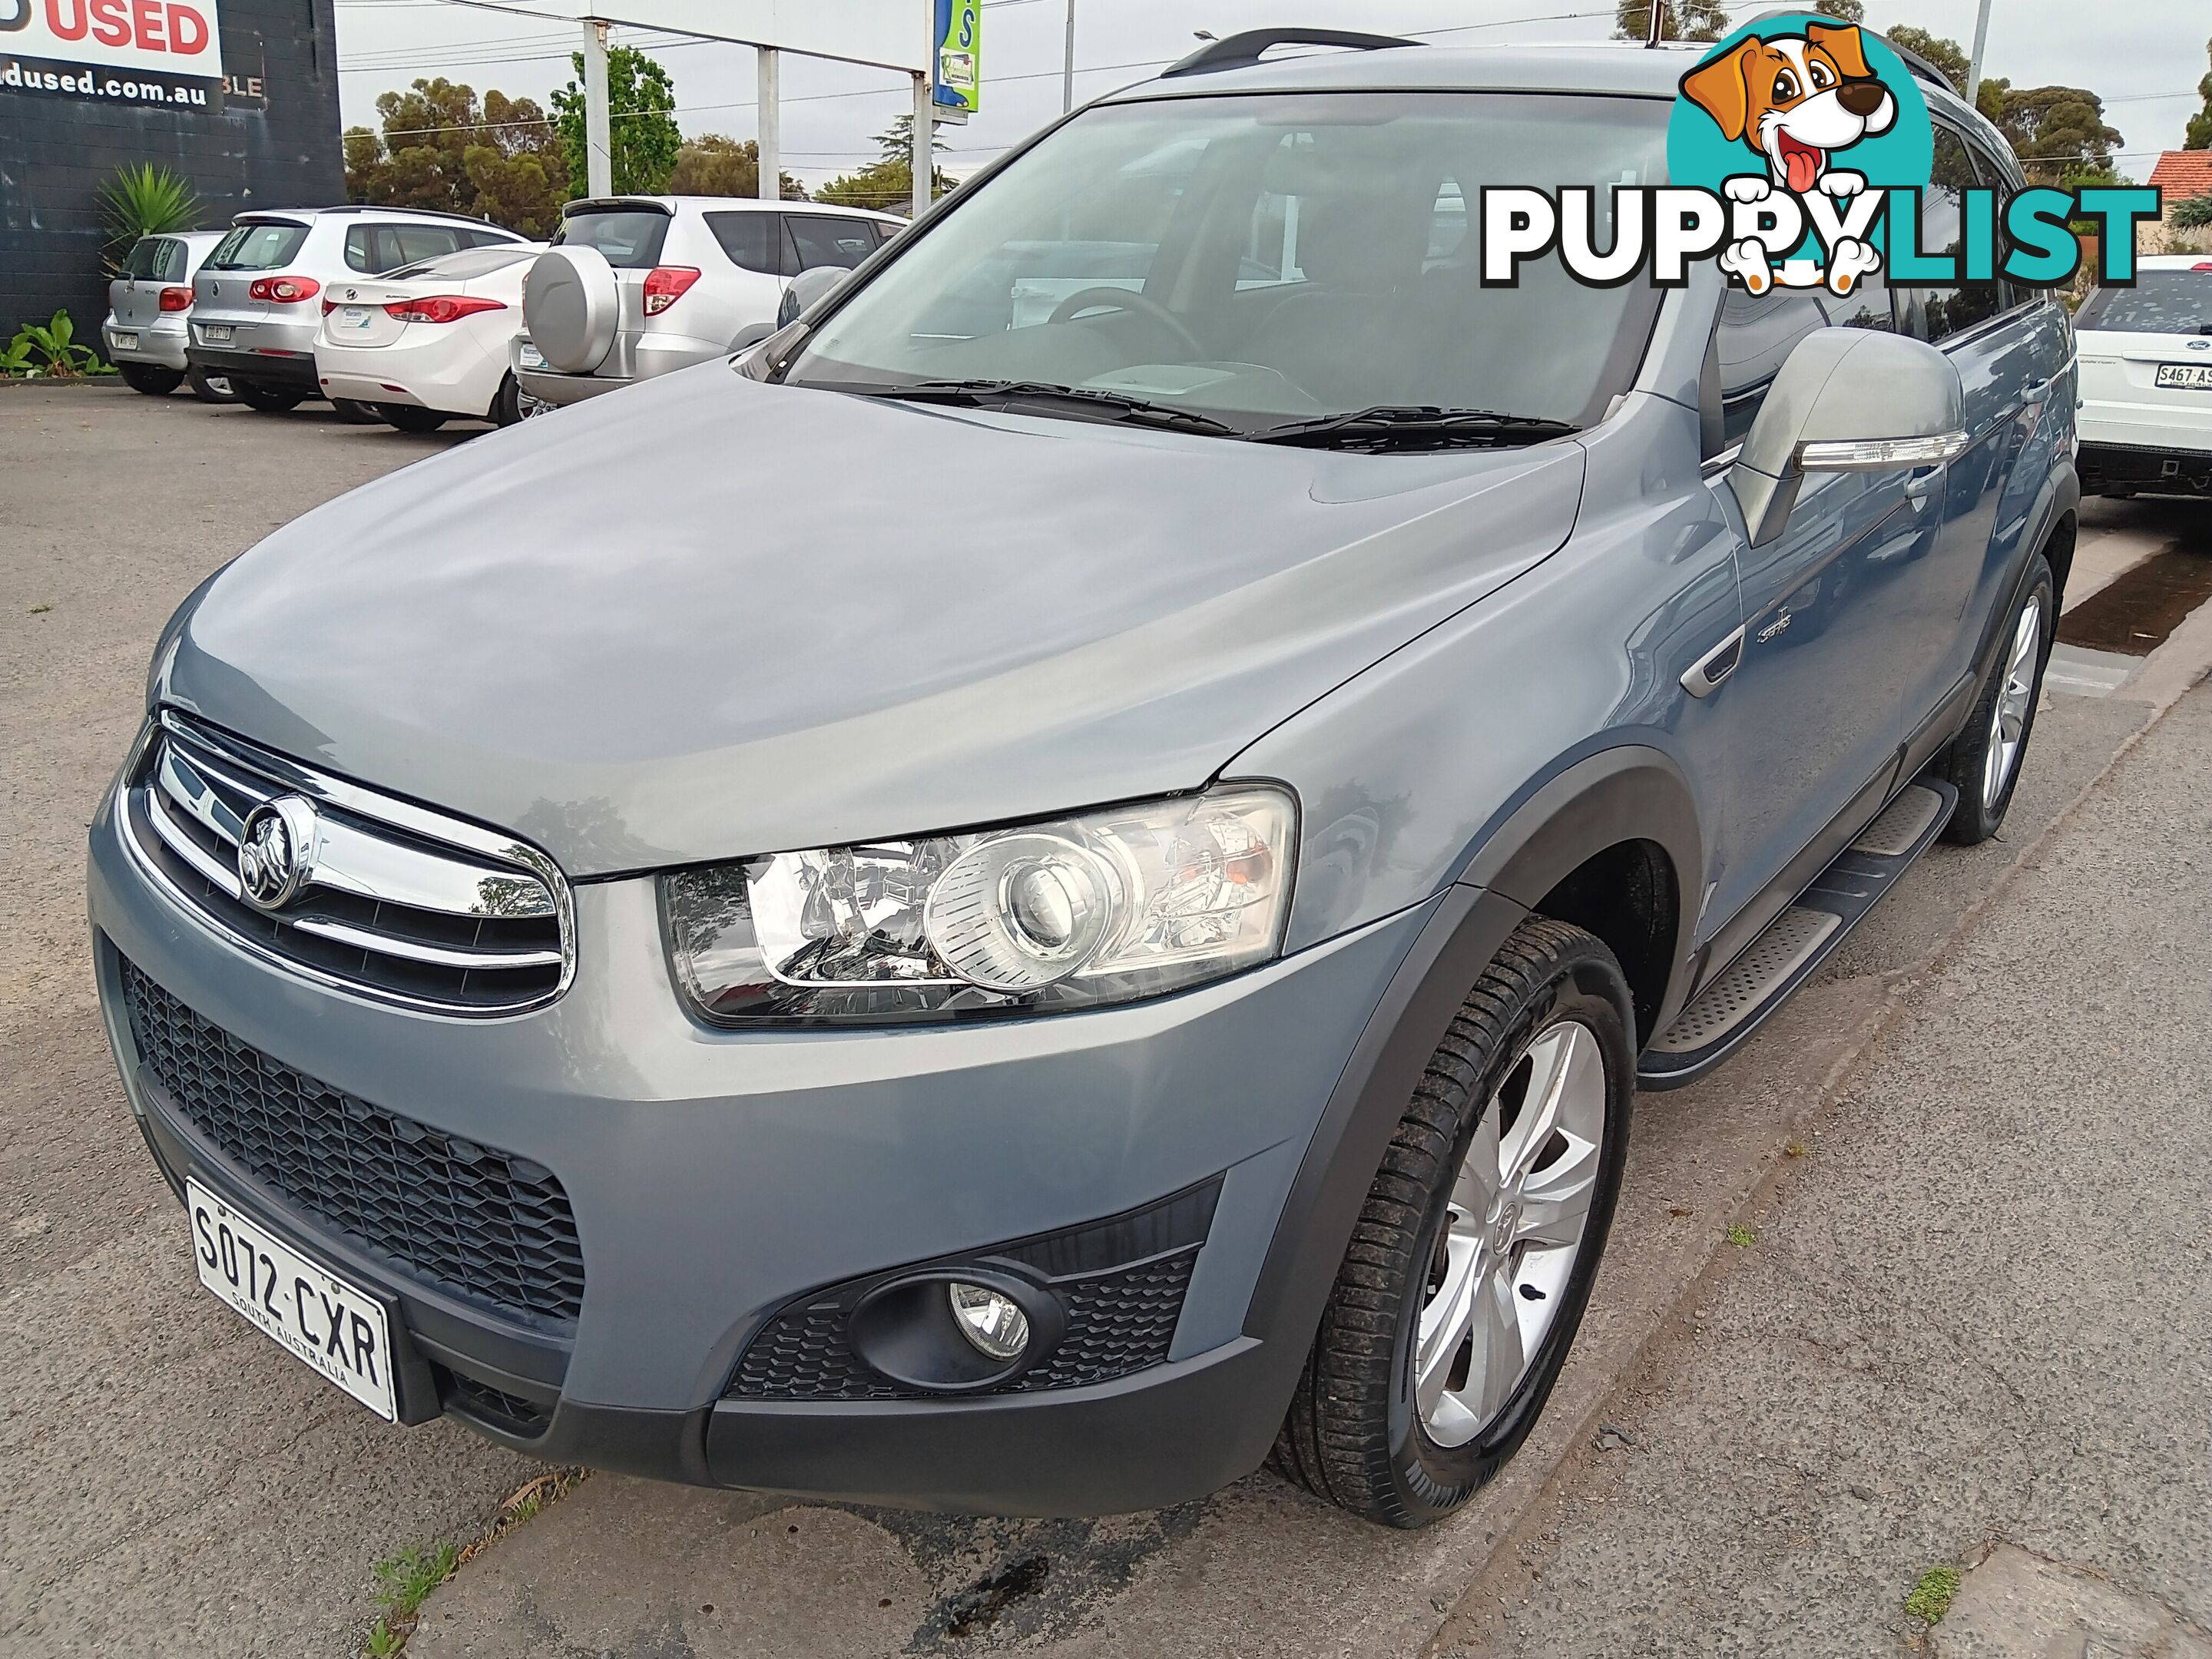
<point>151,379</point>
<point>409,418</point>
<point>1984,760</point>
<point>506,405</point>
<point>353,412</point>
<point>1473,1257</point>
<point>267,400</point>
<point>211,388</point>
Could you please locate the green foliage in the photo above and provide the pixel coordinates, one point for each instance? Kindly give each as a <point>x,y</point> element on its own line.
<point>2195,214</point>
<point>715,165</point>
<point>408,1578</point>
<point>642,137</point>
<point>1680,20</point>
<point>1741,1236</point>
<point>1932,1597</point>
<point>2057,132</point>
<point>1843,11</point>
<point>1949,56</point>
<point>887,184</point>
<point>437,147</point>
<point>2199,135</point>
<point>144,200</point>
<point>49,351</point>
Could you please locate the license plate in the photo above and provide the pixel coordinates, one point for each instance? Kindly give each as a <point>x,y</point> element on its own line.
<point>126,343</point>
<point>2187,377</point>
<point>333,1327</point>
<point>215,333</point>
<point>353,316</point>
<point>531,357</point>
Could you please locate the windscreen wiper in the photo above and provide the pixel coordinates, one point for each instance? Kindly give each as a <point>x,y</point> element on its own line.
<point>1416,426</point>
<point>1110,405</point>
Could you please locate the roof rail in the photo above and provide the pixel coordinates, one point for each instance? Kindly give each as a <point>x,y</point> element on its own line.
<point>1921,68</point>
<point>1244,50</point>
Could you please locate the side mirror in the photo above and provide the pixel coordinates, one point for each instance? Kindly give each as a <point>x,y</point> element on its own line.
<point>1847,400</point>
<point>750,335</point>
<point>808,287</point>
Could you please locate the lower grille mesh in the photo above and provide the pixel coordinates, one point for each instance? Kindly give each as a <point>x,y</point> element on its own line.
<point>1122,1314</point>
<point>488,1224</point>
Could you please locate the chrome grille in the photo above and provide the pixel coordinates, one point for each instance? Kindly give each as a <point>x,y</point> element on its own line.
<point>396,902</point>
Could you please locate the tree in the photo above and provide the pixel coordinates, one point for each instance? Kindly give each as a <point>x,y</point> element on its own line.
<point>713,164</point>
<point>1681,19</point>
<point>1947,55</point>
<point>1843,11</point>
<point>643,136</point>
<point>888,184</point>
<point>2058,132</point>
<point>2200,124</point>
<point>2195,214</point>
<point>438,149</point>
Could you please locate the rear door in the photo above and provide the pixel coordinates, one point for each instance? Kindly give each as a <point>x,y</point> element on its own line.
<point>2011,347</point>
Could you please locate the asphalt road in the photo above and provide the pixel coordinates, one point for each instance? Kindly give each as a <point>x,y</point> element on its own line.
<point>170,1482</point>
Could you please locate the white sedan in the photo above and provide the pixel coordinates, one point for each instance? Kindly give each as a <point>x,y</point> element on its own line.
<point>429,342</point>
<point>2147,381</point>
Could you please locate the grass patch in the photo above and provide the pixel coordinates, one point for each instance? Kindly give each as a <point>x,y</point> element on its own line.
<point>409,1577</point>
<point>1741,1236</point>
<point>1794,1149</point>
<point>41,610</point>
<point>1932,1597</point>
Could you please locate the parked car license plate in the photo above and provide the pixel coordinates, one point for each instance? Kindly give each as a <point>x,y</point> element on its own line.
<point>215,333</point>
<point>353,316</point>
<point>2190,376</point>
<point>531,357</point>
<point>126,343</point>
<point>331,1325</point>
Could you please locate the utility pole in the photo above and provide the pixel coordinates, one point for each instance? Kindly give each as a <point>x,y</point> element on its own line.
<point>925,139</point>
<point>599,146</point>
<point>1974,64</point>
<point>767,66</point>
<point>1067,65</point>
<point>1658,29</point>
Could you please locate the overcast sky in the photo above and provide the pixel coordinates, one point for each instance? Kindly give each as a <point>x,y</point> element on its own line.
<point>2143,57</point>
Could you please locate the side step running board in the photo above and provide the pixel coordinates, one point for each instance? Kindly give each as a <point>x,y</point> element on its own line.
<point>1795,945</point>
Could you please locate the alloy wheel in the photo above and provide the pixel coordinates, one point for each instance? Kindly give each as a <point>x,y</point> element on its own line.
<point>2015,697</point>
<point>1519,1208</point>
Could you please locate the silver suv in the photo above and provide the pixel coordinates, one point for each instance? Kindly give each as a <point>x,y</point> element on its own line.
<point>255,306</point>
<point>635,286</point>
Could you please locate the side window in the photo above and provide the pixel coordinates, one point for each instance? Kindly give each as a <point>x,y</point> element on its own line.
<point>358,255</point>
<point>1936,312</point>
<point>822,240</point>
<point>754,242</point>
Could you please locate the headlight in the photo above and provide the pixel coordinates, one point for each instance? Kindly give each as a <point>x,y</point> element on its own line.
<point>1104,906</point>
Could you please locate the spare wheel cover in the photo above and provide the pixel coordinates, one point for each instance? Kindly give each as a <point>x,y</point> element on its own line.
<point>570,306</point>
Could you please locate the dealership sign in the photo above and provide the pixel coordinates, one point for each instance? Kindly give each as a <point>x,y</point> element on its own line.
<point>171,40</point>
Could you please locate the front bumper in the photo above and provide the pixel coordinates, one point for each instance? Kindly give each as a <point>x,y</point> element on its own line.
<point>161,342</point>
<point>716,1176</point>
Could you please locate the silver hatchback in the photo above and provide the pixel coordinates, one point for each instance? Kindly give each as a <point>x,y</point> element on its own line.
<point>255,303</point>
<point>149,306</point>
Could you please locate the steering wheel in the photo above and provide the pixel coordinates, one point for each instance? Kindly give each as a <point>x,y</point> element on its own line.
<point>1125,298</point>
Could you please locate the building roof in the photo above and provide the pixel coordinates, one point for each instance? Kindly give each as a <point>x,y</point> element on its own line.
<point>2184,173</point>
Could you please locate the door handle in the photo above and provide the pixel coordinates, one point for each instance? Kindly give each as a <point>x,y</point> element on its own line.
<point>1705,675</point>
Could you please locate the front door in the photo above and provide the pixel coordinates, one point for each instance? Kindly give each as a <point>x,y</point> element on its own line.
<point>1833,645</point>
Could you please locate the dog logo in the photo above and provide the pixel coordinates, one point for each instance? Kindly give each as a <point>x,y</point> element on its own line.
<point>1791,120</point>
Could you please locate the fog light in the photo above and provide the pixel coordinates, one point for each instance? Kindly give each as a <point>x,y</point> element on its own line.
<point>993,1324</point>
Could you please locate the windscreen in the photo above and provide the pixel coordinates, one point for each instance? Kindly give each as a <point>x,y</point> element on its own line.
<point>265,244</point>
<point>2161,302</point>
<point>629,238</point>
<point>1267,256</point>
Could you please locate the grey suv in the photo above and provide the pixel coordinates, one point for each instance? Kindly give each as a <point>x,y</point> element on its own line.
<point>1063,875</point>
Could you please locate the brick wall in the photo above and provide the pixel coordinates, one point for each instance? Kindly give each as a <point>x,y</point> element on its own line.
<point>271,139</point>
